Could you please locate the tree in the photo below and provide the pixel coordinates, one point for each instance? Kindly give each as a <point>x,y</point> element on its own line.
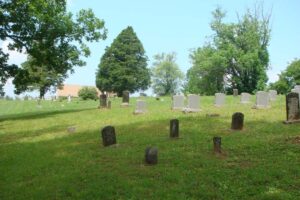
<point>288,78</point>
<point>166,75</point>
<point>88,93</point>
<point>237,56</point>
<point>123,65</point>
<point>53,39</point>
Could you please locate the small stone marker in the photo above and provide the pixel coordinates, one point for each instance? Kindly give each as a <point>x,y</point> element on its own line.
<point>292,108</point>
<point>69,98</point>
<point>193,103</point>
<point>178,102</point>
<point>217,145</point>
<point>219,99</point>
<point>174,128</point>
<point>109,104</point>
<point>297,87</point>
<point>151,155</point>
<point>125,98</point>
<point>141,107</point>
<point>71,129</point>
<point>108,136</point>
<point>262,100</point>
<point>237,122</point>
<point>245,97</point>
<point>273,95</point>
<point>103,101</point>
<point>235,92</point>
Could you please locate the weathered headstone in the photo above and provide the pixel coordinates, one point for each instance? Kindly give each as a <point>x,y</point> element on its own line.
<point>235,92</point>
<point>193,103</point>
<point>178,102</point>
<point>125,98</point>
<point>151,154</point>
<point>245,97</point>
<point>69,98</point>
<point>273,95</point>
<point>103,101</point>
<point>174,128</point>
<point>108,136</point>
<point>217,145</point>
<point>262,100</point>
<point>237,122</point>
<point>297,87</point>
<point>109,104</point>
<point>219,99</point>
<point>141,107</point>
<point>292,108</point>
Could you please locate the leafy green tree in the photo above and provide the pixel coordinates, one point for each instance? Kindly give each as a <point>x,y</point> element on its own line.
<point>88,93</point>
<point>51,36</point>
<point>123,65</point>
<point>166,75</point>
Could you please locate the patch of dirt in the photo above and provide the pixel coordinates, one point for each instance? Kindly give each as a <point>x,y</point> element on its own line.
<point>294,140</point>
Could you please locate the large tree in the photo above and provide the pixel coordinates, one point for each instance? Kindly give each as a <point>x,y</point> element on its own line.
<point>237,56</point>
<point>166,75</point>
<point>54,40</point>
<point>123,65</point>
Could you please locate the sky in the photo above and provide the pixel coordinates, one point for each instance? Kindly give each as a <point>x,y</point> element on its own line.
<point>180,26</point>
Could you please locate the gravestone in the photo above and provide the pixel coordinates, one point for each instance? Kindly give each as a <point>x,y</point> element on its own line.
<point>235,92</point>
<point>237,121</point>
<point>262,100</point>
<point>178,102</point>
<point>151,154</point>
<point>125,98</point>
<point>71,129</point>
<point>109,104</point>
<point>292,108</point>
<point>141,107</point>
<point>108,136</point>
<point>217,145</point>
<point>245,97</point>
<point>273,95</point>
<point>219,99</point>
<point>297,87</point>
<point>69,98</point>
<point>174,128</point>
<point>193,103</point>
<point>103,101</point>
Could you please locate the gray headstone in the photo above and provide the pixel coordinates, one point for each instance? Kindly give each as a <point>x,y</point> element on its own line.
<point>193,103</point>
<point>235,92</point>
<point>178,102</point>
<point>108,136</point>
<point>174,128</point>
<point>125,98</point>
<point>103,101</point>
<point>292,107</point>
<point>297,87</point>
<point>273,95</point>
<point>237,122</point>
<point>141,107</point>
<point>151,154</point>
<point>262,99</point>
<point>245,97</point>
<point>109,104</point>
<point>219,99</point>
<point>217,144</point>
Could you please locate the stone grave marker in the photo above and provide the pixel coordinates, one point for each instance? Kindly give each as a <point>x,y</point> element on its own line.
<point>193,103</point>
<point>292,108</point>
<point>174,128</point>
<point>235,92</point>
<point>178,102</point>
<point>109,104</point>
<point>71,129</point>
<point>103,101</point>
<point>262,100</point>
<point>237,122</point>
<point>108,136</point>
<point>125,98</point>
<point>141,107</point>
<point>273,95</point>
<point>219,99</point>
<point>217,145</point>
<point>245,97</point>
<point>69,98</point>
<point>297,87</point>
<point>151,154</point>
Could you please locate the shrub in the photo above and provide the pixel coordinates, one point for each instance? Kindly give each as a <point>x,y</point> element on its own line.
<point>86,93</point>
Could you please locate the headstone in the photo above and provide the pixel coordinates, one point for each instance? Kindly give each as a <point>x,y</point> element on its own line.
<point>292,108</point>
<point>219,99</point>
<point>71,129</point>
<point>141,107</point>
<point>125,98</point>
<point>235,92</point>
<point>297,87</point>
<point>178,102</point>
<point>237,122</point>
<point>174,128</point>
<point>151,154</point>
<point>217,145</point>
<point>245,97</point>
<point>103,101</point>
<point>262,100</point>
<point>273,95</point>
<point>193,103</point>
<point>109,104</point>
<point>69,98</point>
<point>108,136</point>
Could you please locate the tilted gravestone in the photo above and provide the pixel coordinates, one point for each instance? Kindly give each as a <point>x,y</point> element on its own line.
<point>292,108</point>
<point>151,154</point>
<point>108,136</point>
<point>219,99</point>
<point>237,122</point>
<point>193,103</point>
<point>262,100</point>
<point>125,98</point>
<point>174,128</point>
<point>245,97</point>
<point>273,95</point>
<point>235,92</point>
<point>141,107</point>
<point>217,145</point>
<point>178,102</point>
<point>103,101</point>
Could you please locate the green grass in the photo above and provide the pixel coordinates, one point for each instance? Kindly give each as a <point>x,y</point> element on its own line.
<point>41,160</point>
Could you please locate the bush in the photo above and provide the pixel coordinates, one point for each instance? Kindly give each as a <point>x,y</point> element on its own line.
<point>88,93</point>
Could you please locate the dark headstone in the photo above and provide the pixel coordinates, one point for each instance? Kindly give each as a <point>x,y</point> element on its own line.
<point>103,101</point>
<point>292,107</point>
<point>217,144</point>
<point>125,97</point>
<point>157,98</point>
<point>109,104</point>
<point>237,122</point>
<point>235,92</point>
<point>151,155</point>
<point>108,136</point>
<point>174,128</point>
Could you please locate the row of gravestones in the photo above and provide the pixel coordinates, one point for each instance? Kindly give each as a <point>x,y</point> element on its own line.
<point>109,138</point>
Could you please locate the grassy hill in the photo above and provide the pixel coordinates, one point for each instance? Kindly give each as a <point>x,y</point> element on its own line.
<point>39,159</point>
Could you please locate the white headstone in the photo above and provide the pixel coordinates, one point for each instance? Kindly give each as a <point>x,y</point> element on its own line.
<point>69,98</point>
<point>297,87</point>
<point>193,103</point>
<point>141,107</point>
<point>219,99</point>
<point>262,99</point>
<point>273,95</point>
<point>245,97</point>
<point>178,102</point>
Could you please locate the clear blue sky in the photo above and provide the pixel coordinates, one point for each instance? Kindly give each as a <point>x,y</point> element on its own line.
<point>179,26</point>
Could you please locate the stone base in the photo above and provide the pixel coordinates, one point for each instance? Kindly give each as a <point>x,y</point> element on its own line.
<point>213,115</point>
<point>260,107</point>
<point>244,102</point>
<point>291,122</point>
<point>124,105</point>
<point>190,110</point>
<point>138,112</point>
<point>177,108</point>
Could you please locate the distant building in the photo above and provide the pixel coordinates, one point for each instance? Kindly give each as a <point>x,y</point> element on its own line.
<point>72,90</point>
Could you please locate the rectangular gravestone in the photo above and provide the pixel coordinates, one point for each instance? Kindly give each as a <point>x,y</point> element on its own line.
<point>262,100</point>
<point>141,107</point>
<point>178,102</point>
<point>292,108</point>
<point>125,99</point>
<point>193,103</point>
<point>296,90</point>
<point>273,95</point>
<point>219,99</point>
<point>297,87</point>
<point>245,97</point>
<point>235,92</point>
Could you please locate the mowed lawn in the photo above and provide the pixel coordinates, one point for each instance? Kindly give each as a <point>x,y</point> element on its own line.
<point>39,159</point>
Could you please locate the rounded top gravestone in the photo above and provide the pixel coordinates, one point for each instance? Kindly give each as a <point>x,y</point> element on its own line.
<point>237,122</point>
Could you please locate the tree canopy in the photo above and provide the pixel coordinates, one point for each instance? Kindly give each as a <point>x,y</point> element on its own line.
<point>123,65</point>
